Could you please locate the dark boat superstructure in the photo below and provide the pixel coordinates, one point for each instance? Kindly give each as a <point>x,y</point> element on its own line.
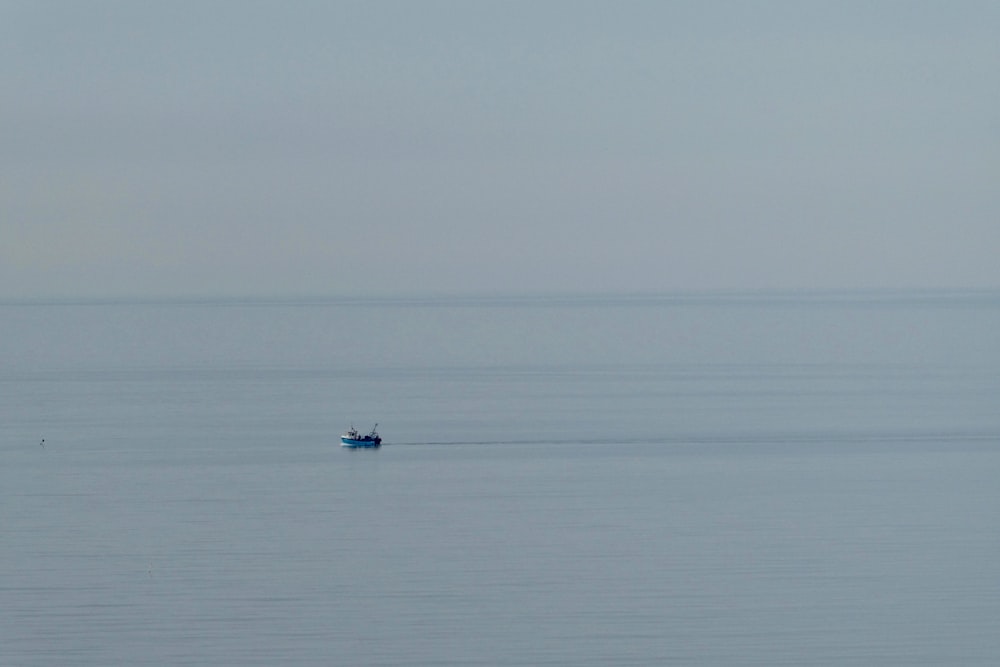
<point>355,440</point>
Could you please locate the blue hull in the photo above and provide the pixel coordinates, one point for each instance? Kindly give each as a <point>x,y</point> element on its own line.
<point>360,444</point>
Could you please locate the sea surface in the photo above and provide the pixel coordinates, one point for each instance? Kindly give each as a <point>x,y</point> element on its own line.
<point>700,479</point>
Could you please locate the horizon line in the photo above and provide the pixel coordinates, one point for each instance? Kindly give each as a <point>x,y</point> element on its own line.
<point>494,297</point>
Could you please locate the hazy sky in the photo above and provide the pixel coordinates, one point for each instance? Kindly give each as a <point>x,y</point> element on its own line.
<point>305,148</point>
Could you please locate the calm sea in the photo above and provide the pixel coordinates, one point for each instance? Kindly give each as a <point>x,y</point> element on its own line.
<point>724,479</point>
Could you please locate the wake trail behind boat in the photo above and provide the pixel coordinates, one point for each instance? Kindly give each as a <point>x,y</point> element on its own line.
<point>720,439</point>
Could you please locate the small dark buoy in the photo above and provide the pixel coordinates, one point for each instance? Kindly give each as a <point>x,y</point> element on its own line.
<point>42,443</point>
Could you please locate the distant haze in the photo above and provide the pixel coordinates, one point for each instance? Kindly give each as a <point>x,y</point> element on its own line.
<point>305,148</point>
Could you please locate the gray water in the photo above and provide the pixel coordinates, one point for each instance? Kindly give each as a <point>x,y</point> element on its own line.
<point>704,479</point>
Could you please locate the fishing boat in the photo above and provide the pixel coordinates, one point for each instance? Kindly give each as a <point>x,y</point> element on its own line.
<point>355,440</point>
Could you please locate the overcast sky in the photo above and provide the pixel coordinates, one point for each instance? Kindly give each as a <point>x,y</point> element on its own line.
<point>356,148</point>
